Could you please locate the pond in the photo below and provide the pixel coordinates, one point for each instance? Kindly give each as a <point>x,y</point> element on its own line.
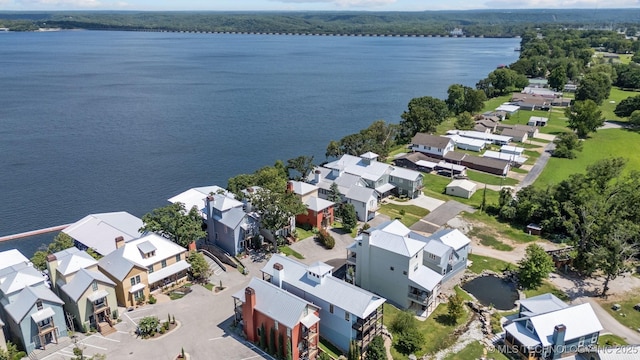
<point>492,291</point>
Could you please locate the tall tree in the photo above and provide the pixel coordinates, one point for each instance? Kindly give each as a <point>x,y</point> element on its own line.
<point>534,267</point>
<point>594,86</point>
<point>376,349</point>
<point>454,307</point>
<point>302,165</point>
<point>349,218</point>
<point>558,78</point>
<point>627,106</point>
<point>567,143</point>
<point>200,269</point>
<point>333,149</point>
<point>276,209</point>
<point>424,114</point>
<point>456,99</point>
<point>584,117</point>
<point>616,251</point>
<point>334,194</point>
<point>60,242</point>
<point>464,121</point>
<point>175,223</point>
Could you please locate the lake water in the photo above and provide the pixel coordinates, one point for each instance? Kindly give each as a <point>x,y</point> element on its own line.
<point>96,121</point>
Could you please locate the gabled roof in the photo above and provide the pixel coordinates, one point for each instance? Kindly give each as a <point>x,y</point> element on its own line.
<point>27,298</point>
<point>361,194</point>
<point>396,238</point>
<point>348,297</point>
<point>451,237</point>
<point>232,217</point>
<point>514,133</point>
<point>164,249</point>
<point>455,156</point>
<point>278,304</point>
<point>425,139</point>
<point>367,169</point>
<point>437,248</point>
<point>407,174</point>
<point>19,276</point>
<point>463,184</point>
<point>504,158</point>
<point>317,204</point>
<point>543,304</point>
<point>487,161</point>
<point>511,149</point>
<point>71,260</point>
<point>417,156</point>
<point>11,257</point>
<point>224,203</point>
<point>81,282</point>
<point>98,231</point>
<point>425,278</point>
<point>116,264</point>
<point>466,141</point>
<point>302,188</point>
<point>196,196</point>
<point>579,320</point>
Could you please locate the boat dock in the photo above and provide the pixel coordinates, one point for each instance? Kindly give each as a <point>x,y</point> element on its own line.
<point>33,232</point>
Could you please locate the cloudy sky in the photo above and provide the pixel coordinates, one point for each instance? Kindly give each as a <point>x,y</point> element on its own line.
<point>375,5</point>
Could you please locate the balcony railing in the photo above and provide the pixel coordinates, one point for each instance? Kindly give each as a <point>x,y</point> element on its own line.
<point>423,298</point>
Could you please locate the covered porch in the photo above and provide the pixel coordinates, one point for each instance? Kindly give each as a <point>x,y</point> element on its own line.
<point>168,275</point>
<point>47,329</point>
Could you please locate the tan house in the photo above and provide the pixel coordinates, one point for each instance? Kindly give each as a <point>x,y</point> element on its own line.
<point>88,294</point>
<point>142,266</point>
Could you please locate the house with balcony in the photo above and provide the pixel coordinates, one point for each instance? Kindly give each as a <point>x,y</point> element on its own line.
<point>319,211</point>
<point>547,328</point>
<point>347,312</point>
<point>262,306</point>
<point>406,267</point>
<point>89,295</point>
<point>142,266</point>
<point>97,231</point>
<point>228,225</point>
<point>32,314</point>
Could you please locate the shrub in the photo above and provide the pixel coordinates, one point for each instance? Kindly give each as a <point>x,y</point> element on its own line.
<point>326,239</point>
<point>152,299</point>
<point>366,226</point>
<point>148,326</point>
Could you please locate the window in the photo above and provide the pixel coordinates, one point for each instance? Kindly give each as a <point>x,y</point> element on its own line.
<point>404,272</point>
<point>415,268</point>
<point>529,325</point>
<point>581,341</point>
<point>150,269</point>
<point>288,332</point>
<point>275,325</point>
<point>138,295</point>
<point>163,263</point>
<point>433,256</point>
<point>331,308</point>
<point>346,316</point>
<point>39,304</point>
<point>391,268</point>
<point>135,280</point>
<point>594,338</point>
<point>177,257</point>
<point>94,286</point>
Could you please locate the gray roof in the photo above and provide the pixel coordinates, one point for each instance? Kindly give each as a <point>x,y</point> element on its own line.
<point>437,248</point>
<point>71,260</point>
<point>27,298</point>
<point>280,305</point>
<point>11,257</point>
<point>116,264</point>
<point>455,156</point>
<point>417,156</point>
<point>453,238</point>
<point>405,174</point>
<point>19,276</point>
<point>360,193</point>
<point>543,303</point>
<point>81,282</point>
<point>348,297</point>
<point>486,162</point>
<point>317,204</point>
<point>232,217</point>
<point>514,133</point>
<point>425,278</point>
<point>146,247</point>
<point>367,169</point>
<point>302,188</point>
<point>438,142</point>
<point>98,231</point>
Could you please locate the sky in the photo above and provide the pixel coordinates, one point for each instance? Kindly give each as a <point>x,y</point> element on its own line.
<point>310,5</point>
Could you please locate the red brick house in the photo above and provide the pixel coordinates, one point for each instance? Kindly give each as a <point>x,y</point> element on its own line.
<point>264,307</point>
<point>319,211</point>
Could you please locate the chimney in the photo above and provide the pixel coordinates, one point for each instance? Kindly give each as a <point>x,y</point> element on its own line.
<point>290,186</point>
<point>316,176</point>
<point>247,314</point>
<point>559,331</point>
<point>52,267</point>
<point>278,275</point>
<point>119,242</point>
<point>209,201</point>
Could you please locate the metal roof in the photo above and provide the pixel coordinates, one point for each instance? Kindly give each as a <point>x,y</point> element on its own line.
<point>407,174</point>
<point>168,271</point>
<point>504,156</point>
<point>116,264</point>
<point>19,276</point>
<point>146,247</point>
<point>543,304</point>
<point>26,299</point>
<point>317,204</point>
<point>98,231</point>
<point>165,249</point>
<point>232,217</point>
<point>43,314</point>
<point>302,188</point>
<point>463,184</point>
<point>99,294</point>
<point>365,168</point>
<point>71,260</point>
<point>341,294</point>
<point>196,196</point>
<point>437,248</point>
<point>384,188</point>
<point>137,287</point>
<point>278,304</point>
<point>395,238</point>
<point>11,257</point>
<point>425,278</point>
<point>361,194</point>
<point>81,282</point>
<point>453,238</point>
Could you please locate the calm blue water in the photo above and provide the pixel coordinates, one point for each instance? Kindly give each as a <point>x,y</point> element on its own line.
<point>111,121</point>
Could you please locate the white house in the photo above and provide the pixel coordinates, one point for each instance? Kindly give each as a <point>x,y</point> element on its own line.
<point>97,231</point>
<point>461,188</point>
<point>489,138</point>
<point>405,267</point>
<point>514,150</point>
<point>195,197</point>
<point>467,143</point>
<point>364,200</point>
<point>508,108</point>
<point>516,135</point>
<point>538,121</point>
<point>347,312</point>
<point>511,158</point>
<point>430,144</point>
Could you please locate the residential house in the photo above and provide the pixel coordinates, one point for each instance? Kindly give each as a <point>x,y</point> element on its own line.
<point>467,143</point>
<point>89,295</point>
<point>538,121</point>
<point>263,307</point>
<point>320,212</point>
<point>458,163</point>
<point>532,131</point>
<point>406,267</point>
<point>487,124</point>
<point>515,135</point>
<point>546,328</point>
<point>142,266</point>
<point>570,87</point>
<point>455,261</point>
<point>416,161</point>
<point>32,314</point>
<point>508,158</point>
<point>436,146</point>
<point>195,197</point>
<point>347,312</point>
<point>514,150</point>
<point>365,202</point>
<point>531,102</point>
<point>561,101</point>
<point>508,108</point>
<point>461,188</point>
<point>408,183</point>
<point>542,92</point>
<point>97,231</point>
<point>538,82</point>
<point>489,138</point>
<point>228,225</point>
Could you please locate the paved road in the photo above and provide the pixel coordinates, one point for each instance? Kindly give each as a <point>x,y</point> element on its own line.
<point>537,168</point>
<point>440,216</point>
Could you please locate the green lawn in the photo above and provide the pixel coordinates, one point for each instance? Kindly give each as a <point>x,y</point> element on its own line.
<point>493,103</point>
<point>547,287</point>
<point>519,171</point>
<point>209,286</point>
<point>611,340</point>
<point>490,179</point>
<point>329,348</point>
<point>303,234</point>
<point>487,239</point>
<point>438,334</point>
<point>602,144</point>
<point>434,186</point>
<point>616,96</point>
<point>502,228</point>
<point>475,350</point>
<point>412,213</point>
<point>481,263</point>
<point>463,294</point>
<point>445,126</point>
<point>627,315</point>
<point>290,252</point>
<point>530,146</point>
<point>532,156</point>
<point>496,326</point>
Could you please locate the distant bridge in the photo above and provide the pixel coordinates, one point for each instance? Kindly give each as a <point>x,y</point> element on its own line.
<point>33,232</point>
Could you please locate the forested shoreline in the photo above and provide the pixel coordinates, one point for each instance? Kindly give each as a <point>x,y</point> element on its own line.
<point>477,23</point>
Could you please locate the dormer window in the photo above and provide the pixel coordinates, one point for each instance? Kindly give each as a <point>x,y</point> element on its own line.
<point>39,305</point>
<point>529,325</point>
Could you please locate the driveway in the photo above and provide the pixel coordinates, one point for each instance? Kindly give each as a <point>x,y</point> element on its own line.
<point>423,201</point>
<point>537,168</point>
<point>440,216</point>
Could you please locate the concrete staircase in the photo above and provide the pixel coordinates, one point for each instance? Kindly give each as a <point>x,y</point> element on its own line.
<point>215,268</point>
<point>50,349</point>
<point>106,329</point>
